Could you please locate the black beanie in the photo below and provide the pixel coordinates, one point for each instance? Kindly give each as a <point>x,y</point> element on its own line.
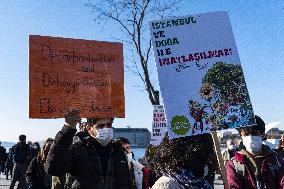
<point>260,125</point>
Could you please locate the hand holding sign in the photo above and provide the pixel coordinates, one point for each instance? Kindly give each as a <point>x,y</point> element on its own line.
<point>72,118</point>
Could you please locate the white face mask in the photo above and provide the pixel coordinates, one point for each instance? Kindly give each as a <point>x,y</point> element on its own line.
<point>231,147</point>
<point>104,136</point>
<point>252,143</point>
<point>129,157</point>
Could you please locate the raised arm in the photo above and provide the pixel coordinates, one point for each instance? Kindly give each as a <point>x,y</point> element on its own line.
<point>60,158</point>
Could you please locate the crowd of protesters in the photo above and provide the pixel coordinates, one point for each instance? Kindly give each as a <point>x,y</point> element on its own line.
<point>91,158</point>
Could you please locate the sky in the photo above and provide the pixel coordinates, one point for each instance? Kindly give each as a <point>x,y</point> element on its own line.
<point>257,25</point>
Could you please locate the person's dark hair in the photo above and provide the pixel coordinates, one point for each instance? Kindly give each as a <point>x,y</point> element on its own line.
<point>190,153</point>
<point>36,143</point>
<point>123,140</point>
<point>22,138</point>
<point>94,120</point>
<point>83,126</point>
<point>260,126</point>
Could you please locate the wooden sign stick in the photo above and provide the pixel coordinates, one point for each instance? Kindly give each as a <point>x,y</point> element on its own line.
<point>220,159</point>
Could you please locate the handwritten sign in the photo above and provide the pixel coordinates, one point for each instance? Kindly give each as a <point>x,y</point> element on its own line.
<point>67,74</point>
<point>200,75</point>
<point>159,127</point>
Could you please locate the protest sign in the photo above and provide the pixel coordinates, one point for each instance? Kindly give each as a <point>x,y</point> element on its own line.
<point>200,75</point>
<point>159,127</point>
<point>67,74</point>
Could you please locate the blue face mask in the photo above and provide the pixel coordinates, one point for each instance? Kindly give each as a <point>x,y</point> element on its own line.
<point>104,136</point>
<point>252,143</point>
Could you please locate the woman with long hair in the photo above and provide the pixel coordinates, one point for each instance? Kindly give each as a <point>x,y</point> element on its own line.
<point>36,175</point>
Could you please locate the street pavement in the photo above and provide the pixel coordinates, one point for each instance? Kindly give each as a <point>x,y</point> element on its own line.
<point>4,184</point>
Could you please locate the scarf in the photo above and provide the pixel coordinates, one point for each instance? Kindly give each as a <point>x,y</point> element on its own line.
<point>188,180</point>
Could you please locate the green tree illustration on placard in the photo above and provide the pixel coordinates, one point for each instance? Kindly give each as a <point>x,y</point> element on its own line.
<point>224,89</point>
<point>229,80</point>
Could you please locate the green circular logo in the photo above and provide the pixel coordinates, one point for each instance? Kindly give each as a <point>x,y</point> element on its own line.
<point>180,125</point>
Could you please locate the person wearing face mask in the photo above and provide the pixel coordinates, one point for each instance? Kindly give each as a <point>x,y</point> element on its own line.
<point>139,175</point>
<point>96,161</point>
<point>35,150</point>
<point>255,166</point>
<point>36,175</point>
<point>229,152</point>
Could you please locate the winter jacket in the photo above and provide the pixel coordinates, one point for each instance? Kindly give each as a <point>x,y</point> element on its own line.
<point>33,153</point>
<point>265,170</point>
<point>228,155</point>
<point>86,160</point>
<point>138,173</point>
<point>21,152</point>
<point>146,174</point>
<point>3,155</point>
<point>36,175</point>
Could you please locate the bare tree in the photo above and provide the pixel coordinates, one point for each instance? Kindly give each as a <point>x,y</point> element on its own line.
<point>131,16</point>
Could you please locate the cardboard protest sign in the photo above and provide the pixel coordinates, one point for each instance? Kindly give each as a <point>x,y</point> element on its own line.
<point>159,127</point>
<point>67,74</point>
<point>200,75</point>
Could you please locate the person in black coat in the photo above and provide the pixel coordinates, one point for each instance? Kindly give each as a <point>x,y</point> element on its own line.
<point>3,158</point>
<point>9,164</point>
<point>20,153</point>
<point>36,175</point>
<point>35,150</point>
<point>96,161</point>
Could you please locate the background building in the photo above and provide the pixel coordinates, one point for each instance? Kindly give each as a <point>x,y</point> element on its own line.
<point>138,137</point>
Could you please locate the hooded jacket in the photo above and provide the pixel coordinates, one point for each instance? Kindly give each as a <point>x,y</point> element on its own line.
<point>256,168</point>
<point>86,160</point>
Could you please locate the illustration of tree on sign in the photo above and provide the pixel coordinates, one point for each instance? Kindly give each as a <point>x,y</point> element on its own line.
<point>224,89</point>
